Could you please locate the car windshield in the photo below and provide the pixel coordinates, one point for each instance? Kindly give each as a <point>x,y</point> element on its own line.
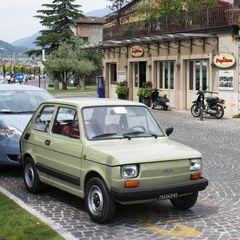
<point>107,122</point>
<point>21,101</point>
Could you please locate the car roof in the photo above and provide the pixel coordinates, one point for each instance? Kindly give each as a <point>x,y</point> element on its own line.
<point>87,102</point>
<point>19,87</point>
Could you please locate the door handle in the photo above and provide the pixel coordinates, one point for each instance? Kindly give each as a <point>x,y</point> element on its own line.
<point>27,136</point>
<point>47,142</point>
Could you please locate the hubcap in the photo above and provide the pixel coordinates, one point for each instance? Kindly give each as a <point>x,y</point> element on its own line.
<point>29,175</point>
<point>95,200</point>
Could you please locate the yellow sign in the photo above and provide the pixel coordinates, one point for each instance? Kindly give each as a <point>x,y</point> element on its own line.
<point>136,51</point>
<point>224,60</point>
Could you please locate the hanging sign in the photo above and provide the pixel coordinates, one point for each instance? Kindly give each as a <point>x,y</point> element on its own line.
<point>224,60</point>
<point>136,51</point>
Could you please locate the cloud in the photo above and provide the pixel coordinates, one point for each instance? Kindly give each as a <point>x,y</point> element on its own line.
<point>17,21</point>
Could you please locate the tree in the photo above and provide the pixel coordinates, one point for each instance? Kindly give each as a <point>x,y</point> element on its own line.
<point>171,8</point>
<point>84,69</point>
<point>116,6</point>
<point>70,60</point>
<point>59,18</point>
<point>61,63</point>
<point>193,5</point>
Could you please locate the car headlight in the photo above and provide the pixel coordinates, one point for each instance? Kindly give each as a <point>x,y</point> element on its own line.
<point>129,171</point>
<point>195,164</point>
<point>10,132</point>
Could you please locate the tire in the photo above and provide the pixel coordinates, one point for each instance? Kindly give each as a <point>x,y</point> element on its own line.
<point>220,111</point>
<point>31,178</point>
<point>165,108</point>
<point>195,110</point>
<point>99,203</point>
<point>185,202</point>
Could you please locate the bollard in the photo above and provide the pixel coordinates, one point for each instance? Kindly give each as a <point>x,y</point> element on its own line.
<point>201,107</point>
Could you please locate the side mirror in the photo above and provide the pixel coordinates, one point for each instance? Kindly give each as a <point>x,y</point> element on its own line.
<point>169,131</point>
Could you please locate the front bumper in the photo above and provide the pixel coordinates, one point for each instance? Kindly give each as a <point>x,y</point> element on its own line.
<point>135,194</point>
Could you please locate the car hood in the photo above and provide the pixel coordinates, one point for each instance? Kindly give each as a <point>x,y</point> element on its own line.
<point>15,120</point>
<point>138,150</point>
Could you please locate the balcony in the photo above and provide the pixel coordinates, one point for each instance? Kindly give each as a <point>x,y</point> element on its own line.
<point>205,19</point>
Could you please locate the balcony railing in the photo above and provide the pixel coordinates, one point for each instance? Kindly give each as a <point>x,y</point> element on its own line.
<point>188,21</point>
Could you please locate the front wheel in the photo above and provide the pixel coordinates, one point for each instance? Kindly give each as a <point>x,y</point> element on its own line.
<point>99,203</point>
<point>31,178</point>
<point>220,111</point>
<point>195,110</point>
<point>185,202</point>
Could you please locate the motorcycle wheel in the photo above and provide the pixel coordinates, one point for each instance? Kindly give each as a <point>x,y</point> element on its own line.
<point>195,110</point>
<point>220,111</point>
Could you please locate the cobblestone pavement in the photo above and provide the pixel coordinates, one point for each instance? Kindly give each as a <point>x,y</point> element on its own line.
<point>215,216</point>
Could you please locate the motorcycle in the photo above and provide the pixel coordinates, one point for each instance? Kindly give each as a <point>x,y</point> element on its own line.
<point>159,100</point>
<point>213,106</point>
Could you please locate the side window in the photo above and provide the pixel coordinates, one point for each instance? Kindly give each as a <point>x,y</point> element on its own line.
<point>42,121</point>
<point>66,123</point>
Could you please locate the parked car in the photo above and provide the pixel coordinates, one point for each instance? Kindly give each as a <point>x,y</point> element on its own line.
<point>17,104</point>
<point>3,80</point>
<point>108,151</point>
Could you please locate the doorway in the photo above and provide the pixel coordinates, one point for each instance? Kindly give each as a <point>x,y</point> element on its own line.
<point>166,79</point>
<point>197,78</point>
<point>139,77</point>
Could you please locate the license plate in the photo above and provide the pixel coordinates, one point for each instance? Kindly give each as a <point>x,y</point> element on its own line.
<point>168,196</point>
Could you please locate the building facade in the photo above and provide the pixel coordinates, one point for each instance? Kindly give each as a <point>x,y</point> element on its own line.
<point>200,52</point>
<point>90,29</point>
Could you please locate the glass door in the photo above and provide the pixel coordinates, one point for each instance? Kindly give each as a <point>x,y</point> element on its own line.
<point>166,79</point>
<point>197,79</point>
<point>139,73</point>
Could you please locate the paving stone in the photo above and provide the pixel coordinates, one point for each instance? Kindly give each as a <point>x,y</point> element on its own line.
<point>216,215</point>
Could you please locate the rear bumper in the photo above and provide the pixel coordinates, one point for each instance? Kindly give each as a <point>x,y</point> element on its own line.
<point>135,194</point>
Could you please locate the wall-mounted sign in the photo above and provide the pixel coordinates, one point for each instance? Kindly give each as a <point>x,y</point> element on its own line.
<point>224,60</point>
<point>136,51</point>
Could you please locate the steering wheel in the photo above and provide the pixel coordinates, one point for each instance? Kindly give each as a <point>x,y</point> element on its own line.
<point>136,127</point>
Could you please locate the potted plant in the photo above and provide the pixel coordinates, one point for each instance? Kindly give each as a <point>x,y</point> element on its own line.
<point>122,90</point>
<point>140,94</point>
<point>147,93</point>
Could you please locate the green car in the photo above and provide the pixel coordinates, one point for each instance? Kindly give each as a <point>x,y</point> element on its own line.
<point>107,152</point>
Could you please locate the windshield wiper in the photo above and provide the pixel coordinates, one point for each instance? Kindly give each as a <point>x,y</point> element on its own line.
<point>139,133</point>
<point>104,135</point>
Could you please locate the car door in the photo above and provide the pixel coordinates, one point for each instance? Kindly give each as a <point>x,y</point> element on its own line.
<point>61,149</point>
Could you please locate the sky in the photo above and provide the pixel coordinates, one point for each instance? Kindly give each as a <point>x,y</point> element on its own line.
<point>17,21</point>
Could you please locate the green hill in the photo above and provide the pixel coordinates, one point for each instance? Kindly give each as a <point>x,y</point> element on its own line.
<point>9,51</point>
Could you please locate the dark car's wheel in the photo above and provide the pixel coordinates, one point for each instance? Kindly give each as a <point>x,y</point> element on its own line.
<point>195,110</point>
<point>185,202</point>
<point>31,178</point>
<point>99,203</point>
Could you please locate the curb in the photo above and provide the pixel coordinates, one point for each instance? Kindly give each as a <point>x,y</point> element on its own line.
<point>50,223</point>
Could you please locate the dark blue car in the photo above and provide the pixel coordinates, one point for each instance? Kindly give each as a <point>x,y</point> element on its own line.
<point>17,104</point>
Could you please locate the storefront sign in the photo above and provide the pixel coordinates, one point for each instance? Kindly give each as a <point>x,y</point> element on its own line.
<point>224,60</point>
<point>136,51</point>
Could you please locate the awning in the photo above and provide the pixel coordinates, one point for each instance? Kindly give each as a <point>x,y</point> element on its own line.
<point>146,40</point>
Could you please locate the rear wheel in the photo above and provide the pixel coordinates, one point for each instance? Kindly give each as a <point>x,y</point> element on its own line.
<point>195,110</point>
<point>220,111</point>
<point>185,202</point>
<point>99,203</point>
<point>31,178</point>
